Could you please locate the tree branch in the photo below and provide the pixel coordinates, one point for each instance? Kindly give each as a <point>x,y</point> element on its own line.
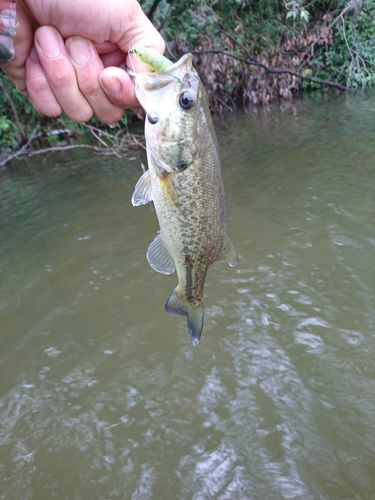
<point>234,41</point>
<point>352,5</point>
<point>277,71</point>
<point>22,150</point>
<point>72,146</point>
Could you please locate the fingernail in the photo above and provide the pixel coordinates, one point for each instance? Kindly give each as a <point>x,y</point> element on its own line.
<point>111,85</point>
<point>33,56</point>
<point>79,50</point>
<point>48,41</point>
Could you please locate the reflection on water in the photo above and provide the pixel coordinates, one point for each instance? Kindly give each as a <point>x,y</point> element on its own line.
<point>102,394</point>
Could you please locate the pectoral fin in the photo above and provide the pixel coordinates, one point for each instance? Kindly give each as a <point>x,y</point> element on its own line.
<point>159,257</point>
<point>229,253</point>
<point>142,192</point>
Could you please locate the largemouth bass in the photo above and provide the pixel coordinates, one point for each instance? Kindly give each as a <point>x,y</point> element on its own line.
<point>184,182</point>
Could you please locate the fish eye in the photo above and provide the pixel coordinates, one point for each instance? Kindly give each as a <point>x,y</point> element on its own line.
<point>152,117</point>
<point>186,100</point>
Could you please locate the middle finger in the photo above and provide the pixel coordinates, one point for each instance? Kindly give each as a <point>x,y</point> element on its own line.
<point>60,74</point>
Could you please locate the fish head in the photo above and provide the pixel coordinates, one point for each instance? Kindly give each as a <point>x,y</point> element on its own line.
<point>176,114</point>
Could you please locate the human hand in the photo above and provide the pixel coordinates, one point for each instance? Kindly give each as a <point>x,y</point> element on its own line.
<point>72,62</point>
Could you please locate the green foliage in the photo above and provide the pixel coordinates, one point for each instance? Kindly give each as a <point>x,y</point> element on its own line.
<point>298,11</point>
<point>350,59</point>
<point>5,124</point>
<point>263,19</point>
<point>10,135</point>
<point>288,32</point>
<point>357,44</point>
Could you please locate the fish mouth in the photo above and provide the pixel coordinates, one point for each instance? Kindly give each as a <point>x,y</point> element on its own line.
<point>185,59</point>
<point>150,81</point>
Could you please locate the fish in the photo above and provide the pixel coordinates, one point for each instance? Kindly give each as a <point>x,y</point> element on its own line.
<point>184,182</point>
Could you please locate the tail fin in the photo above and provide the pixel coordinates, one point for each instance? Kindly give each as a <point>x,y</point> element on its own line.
<point>180,306</point>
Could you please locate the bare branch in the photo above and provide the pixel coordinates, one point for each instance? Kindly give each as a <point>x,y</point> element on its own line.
<point>277,71</point>
<point>72,146</point>
<point>138,142</point>
<point>231,110</point>
<point>22,150</point>
<point>351,5</point>
<point>234,41</point>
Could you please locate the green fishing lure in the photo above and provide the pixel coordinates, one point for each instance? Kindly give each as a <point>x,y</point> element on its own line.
<point>153,59</point>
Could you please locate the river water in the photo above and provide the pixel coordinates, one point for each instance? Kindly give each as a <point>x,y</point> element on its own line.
<point>103,396</point>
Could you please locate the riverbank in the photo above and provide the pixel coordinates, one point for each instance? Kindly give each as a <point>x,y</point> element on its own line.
<point>247,56</point>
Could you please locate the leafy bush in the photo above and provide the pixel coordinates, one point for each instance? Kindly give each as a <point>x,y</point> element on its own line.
<point>352,54</point>
<point>10,134</point>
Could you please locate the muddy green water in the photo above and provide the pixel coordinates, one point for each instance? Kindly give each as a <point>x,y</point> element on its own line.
<point>103,396</point>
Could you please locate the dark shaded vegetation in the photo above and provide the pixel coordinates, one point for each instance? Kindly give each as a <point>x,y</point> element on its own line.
<point>248,53</point>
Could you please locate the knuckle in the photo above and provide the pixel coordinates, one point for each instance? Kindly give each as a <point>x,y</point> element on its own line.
<point>60,80</point>
<point>38,85</point>
<point>60,75</point>
<point>89,88</point>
